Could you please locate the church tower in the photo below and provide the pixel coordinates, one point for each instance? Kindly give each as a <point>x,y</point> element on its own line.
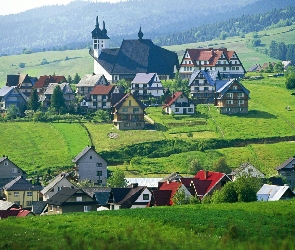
<point>100,39</point>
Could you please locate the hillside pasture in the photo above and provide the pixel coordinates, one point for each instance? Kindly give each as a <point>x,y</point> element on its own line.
<point>221,226</point>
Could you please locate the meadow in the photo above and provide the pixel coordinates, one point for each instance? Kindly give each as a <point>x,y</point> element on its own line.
<point>256,225</point>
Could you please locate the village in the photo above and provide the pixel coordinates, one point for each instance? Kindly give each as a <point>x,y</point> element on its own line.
<point>213,76</point>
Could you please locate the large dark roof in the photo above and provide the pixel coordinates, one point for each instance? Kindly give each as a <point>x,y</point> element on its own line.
<point>138,56</point>
<point>20,184</point>
<point>288,164</point>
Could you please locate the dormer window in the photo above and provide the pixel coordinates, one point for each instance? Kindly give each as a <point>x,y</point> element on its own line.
<point>90,157</point>
<point>6,163</point>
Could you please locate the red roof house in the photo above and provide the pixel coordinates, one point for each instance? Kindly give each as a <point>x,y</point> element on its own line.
<point>179,103</point>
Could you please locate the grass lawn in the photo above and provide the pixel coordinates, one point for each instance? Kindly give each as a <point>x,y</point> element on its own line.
<point>256,225</point>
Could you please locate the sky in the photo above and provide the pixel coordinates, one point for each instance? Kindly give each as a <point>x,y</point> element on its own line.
<point>16,6</point>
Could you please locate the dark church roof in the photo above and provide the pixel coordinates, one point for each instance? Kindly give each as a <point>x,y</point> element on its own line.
<point>138,56</point>
<point>98,33</point>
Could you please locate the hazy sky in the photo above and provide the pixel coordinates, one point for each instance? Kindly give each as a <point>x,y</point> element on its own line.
<point>16,6</point>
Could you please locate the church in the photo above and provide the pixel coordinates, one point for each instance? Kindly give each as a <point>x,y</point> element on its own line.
<point>134,56</point>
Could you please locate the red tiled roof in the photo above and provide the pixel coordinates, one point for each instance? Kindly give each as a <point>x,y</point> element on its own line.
<point>212,177</point>
<point>196,186</point>
<point>102,89</point>
<point>45,80</point>
<point>162,197</point>
<point>171,99</point>
<point>14,212</point>
<point>23,213</point>
<point>172,186</point>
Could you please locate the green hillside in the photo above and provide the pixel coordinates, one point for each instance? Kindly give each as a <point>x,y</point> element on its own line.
<point>256,225</point>
<point>82,63</point>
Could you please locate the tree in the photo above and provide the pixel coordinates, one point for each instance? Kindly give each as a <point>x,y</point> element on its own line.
<point>33,103</point>
<point>57,99</point>
<point>180,198</point>
<point>102,116</point>
<point>256,42</point>
<point>279,67</point>
<point>77,79</point>
<point>12,112</point>
<point>117,179</point>
<point>123,83</point>
<point>227,194</point>
<point>22,65</point>
<point>70,80</point>
<point>221,166</point>
<point>290,78</point>
<point>195,166</point>
<point>247,187</point>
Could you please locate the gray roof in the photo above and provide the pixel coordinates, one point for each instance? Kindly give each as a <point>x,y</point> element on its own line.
<point>65,88</point>
<point>144,78</point>
<point>20,184</point>
<point>91,80</point>
<point>5,90</point>
<point>273,192</point>
<point>53,182</point>
<point>288,164</point>
<point>247,168</point>
<point>83,152</point>
<point>38,207</point>
<point>171,177</point>
<point>148,182</point>
<point>91,191</point>
<point>5,205</point>
<point>226,86</point>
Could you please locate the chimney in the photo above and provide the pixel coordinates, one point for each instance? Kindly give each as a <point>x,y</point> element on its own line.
<point>205,174</point>
<point>134,185</point>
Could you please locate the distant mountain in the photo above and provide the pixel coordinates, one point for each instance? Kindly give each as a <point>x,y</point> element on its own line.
<point>69,27</point>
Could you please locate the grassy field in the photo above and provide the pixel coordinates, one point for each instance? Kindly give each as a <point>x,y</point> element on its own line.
<point>82,63</point>
<point>258,225</point>
<point>36,147</point>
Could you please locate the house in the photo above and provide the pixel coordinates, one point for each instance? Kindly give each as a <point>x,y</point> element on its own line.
<point>134,56</point>
<point>175,176</point>
<point>287,169</point>
<point>204,183</point>
<point>12,96</point>
<point>69,200</point>
<point>274,193</point>
<point>100,97</point>
<point>43,82</point>
<point>88,82</point>
<point>7,205</point>
<point>178,104</point>
<point>21,192</point>
<point>202,86</point>
<point>15,213</point>
<point>55,185</point>
<point>255,68</point>
<point>232,98</point>
<point>89,165</point>
<point>128,112</point>
<point>22,82</point>
<point>133,196</point>
<point>166,191</point>
<point>246,169</point>
<point>287,64</point>
<point>65,88</point>
<point>225,61</point>
<point>8,172</point>
<point>150,183</point>
<point>39,207</point>
<point>146,85</point>
<point>266,65</point>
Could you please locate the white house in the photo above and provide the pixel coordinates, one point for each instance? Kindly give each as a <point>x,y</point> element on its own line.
<point>179,104</point>
<point>146,84</point>
<point>274,193</point>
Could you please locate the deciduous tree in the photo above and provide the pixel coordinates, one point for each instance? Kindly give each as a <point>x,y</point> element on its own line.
<point>117,179</point>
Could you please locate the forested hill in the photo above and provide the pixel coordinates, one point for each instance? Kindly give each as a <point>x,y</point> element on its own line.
<point>233,27</point>
<point>69,27</point>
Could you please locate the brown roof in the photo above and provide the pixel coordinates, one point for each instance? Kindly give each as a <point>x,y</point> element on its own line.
<point>120,102</point>
<point>171,99</point>
<point>45,80</point>
<point>102,89</point>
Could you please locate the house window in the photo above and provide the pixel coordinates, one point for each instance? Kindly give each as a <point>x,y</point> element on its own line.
<point>229,101</point>
<point>138,124</point>
<point>176,109</point>
<point>126,124</point>
<point>197,88</point>
<point>6,163</point>
<point>16,194</point>
<point>57,209</point>
<point>29,203</point>
<point>58,188</point>
<point>146,197</point>
<point>237,68</point>
<point>99,181</point>
<point>235,87</point>
<point>206,88</point>
<point>224,68</point>
<point>90,157</point>
<point>51,207</point>
<point>29,193</point>
<point>241,102</point>
<point>190,110</point>
<point>87,208</point>
<point>104,104</point>
<point>98,173</point>
<point>94,97</point>
<point>230,95</point>
<point>124,109</point>
<point>130,103</point>
<point>14,170</point>
<point>99,164</point>
<point>135,110</point>
<point>240,94</point>
<point>79,198</point>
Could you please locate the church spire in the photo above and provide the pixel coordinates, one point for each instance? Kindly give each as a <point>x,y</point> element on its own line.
<point>140,34</point>
<point>97,24</point>
<point>104,28</point>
